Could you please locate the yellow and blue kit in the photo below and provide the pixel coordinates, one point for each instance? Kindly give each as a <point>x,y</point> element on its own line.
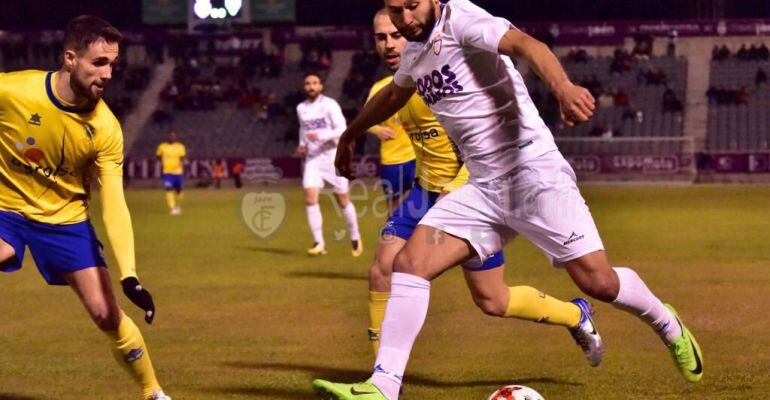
<point>172,156</point>
<point>439,168</point>
<point>49,152</point>
<point>397,160</point>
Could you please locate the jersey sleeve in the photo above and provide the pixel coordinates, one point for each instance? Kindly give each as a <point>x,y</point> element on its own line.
<point>109,152</point>
<point>117,222</point>
<point>338,122</point>
<point>376,129</point>
<point>184,152</point>
<point>402,77</point>
<point>159,151</point>
<point>302,140</point>
<point>477,28</point>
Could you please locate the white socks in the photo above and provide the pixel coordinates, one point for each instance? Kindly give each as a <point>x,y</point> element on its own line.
<point>635,298</point>
<point>316,222</point>
<point>352,220</point>
<point>404,317</point>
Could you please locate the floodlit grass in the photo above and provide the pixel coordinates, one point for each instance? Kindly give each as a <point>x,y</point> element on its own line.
<point>243,318</point>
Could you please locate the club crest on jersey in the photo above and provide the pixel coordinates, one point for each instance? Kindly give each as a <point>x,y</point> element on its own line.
<point>35,119</point>
<point>437,41</point>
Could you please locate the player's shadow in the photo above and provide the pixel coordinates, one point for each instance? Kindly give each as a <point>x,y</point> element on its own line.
<point>349,375</point>
<point>326,275</point>
<point>11,396</point>
<point>271,250</point>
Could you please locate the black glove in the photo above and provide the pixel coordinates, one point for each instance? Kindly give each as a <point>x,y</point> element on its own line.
<point>139,296</point>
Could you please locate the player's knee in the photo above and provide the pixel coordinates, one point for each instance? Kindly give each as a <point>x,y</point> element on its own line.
<point>601,287</point>
<point>490,306</point>
<point>106,320</point>
<point>405,263</point>
<point>379,276</point>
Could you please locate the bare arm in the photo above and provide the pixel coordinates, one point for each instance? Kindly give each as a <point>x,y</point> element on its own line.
<point>577,103</point>
<point>381,107</point>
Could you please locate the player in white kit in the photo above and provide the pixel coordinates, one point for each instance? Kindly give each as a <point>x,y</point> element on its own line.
<point>458,61</point>
<point>320,125</point>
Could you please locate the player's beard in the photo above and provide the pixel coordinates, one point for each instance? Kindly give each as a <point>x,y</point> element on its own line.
<point>427,27</point>
<point>82,89</point>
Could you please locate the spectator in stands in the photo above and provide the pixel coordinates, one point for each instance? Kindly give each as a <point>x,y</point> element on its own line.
<point>656,77</point>
<point>671,104</point>
<point>763,53</point>
<point>577,55</point>
<point>760,78</point>
<point>715,53</point>
<point>743,53</point>
<point>606,99</point>
<point>643,46</point>
<point>621,62</point>
<point>713,96</point>
<point>671,47</point>
<point>721,53</point>
<point>621,98</point>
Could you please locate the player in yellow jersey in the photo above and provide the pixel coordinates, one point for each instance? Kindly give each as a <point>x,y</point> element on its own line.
<point>172,155</point>
<point>57,132</point>
<point>397,160</point>
<point>439,171</point>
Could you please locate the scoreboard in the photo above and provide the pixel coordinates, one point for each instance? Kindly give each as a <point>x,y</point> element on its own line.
<point>217,13</point>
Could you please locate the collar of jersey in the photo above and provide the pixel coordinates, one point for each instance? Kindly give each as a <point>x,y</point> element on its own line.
<point>55,100</point>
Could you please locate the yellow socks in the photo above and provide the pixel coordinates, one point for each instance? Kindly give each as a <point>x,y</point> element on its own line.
<point>378,301</point>
<point>533,305</point>
<point>131,353</point>
<point>171,199</point>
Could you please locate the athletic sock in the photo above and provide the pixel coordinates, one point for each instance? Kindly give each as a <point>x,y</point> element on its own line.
<point>131,353</point>
<point>352,220</point>
<point>635,298</point>
<point>170,199</point>
<point>531,304</point>
<point>316,221</point>
<point>404,316</point>
<point>378,301</point>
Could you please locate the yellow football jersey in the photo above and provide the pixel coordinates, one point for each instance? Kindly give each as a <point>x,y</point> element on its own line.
<point>171,155</point>
<point>398,150</point>
<point>49,150</point>
<point>439,163</point>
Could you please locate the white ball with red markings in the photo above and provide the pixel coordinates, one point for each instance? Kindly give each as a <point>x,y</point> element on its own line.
<point>515,392</point>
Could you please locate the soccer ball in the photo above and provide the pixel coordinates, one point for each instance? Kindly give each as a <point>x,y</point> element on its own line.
<point>515,392</point>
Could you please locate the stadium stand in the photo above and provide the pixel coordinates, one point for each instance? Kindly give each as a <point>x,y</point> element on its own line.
<point>236,101</point>
<point>636,96</point>
<point>739,97</point>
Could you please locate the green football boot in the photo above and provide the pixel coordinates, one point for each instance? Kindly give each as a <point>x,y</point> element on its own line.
<point>326,390</point>
<point>686,352</point>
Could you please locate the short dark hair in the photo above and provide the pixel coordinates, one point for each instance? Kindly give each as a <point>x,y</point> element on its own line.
<point>316,74</point>
<point>86,29</point>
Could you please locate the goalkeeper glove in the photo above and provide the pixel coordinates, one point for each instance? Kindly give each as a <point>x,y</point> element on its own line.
<point>139,296</point>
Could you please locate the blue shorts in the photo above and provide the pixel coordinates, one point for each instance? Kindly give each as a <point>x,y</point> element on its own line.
<point>397,179</point>
<point>409,213</point>
<point>56,249</point>
<point>173,182</point>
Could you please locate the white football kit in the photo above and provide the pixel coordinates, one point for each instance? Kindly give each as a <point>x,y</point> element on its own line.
<point>323,116</point>
<point>519,181</point>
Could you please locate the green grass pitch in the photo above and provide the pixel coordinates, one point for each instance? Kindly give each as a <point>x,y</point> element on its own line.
<point>243,318</point>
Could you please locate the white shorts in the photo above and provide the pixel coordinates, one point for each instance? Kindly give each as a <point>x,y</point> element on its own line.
<point>319,171</point>
<point>539,200</point>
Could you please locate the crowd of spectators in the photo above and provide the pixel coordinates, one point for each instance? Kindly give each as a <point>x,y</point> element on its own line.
<point>752,53</point>
<point>316,54</point>
<point>361,77</point>
<point>727,96</point>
